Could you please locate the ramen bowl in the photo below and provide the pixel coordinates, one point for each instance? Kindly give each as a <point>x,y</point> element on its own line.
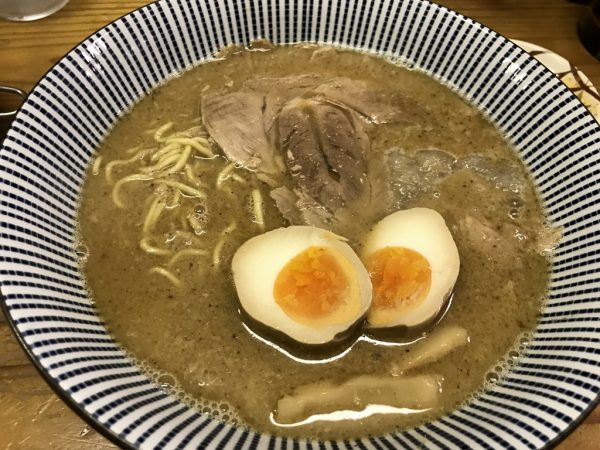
<point>44,159</point>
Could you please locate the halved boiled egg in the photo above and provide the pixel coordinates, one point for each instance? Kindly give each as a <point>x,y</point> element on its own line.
<point>413,262</point>
<point>302,281</point>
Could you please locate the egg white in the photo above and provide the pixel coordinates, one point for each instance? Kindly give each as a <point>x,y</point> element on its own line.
<point>258,262</point>
<point>424,231</point>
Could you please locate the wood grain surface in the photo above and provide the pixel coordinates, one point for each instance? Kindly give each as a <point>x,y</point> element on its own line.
<point>31,415</point>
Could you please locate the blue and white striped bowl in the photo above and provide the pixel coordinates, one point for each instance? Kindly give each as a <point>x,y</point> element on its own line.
<point>44,158</point>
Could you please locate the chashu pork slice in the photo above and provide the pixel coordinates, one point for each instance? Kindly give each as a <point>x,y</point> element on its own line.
<point>371,104</point>
<point>234,121</point>
<point>279,91</point>
<point>324,149</point>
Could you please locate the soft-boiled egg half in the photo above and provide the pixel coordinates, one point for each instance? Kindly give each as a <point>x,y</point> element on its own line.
<point>413,262</point>
<point>302,281</point>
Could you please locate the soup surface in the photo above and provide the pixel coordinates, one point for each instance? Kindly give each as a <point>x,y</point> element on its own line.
<point>179,316</point>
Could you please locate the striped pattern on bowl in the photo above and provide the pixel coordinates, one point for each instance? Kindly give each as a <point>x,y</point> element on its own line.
<point>43,163</point>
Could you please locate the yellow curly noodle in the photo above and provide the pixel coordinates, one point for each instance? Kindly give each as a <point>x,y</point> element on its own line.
<point>173,167</point>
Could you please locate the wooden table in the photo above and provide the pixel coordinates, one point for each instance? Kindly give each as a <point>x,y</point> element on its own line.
<point>31,415</point>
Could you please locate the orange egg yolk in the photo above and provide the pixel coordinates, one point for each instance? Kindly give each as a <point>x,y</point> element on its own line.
<point>312,285</point>
<point>401,277</point>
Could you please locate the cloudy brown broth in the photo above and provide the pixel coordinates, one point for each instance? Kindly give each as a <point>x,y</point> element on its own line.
<point>455,162</point>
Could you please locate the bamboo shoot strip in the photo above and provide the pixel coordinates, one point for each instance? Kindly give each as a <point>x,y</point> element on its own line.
<point>434,347</point>
<point>420,392</point>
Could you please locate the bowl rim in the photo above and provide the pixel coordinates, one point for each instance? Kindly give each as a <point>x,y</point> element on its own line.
<point>94,422</point>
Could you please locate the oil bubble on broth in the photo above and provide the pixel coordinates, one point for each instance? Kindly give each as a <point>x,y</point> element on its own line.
<point>338,140</point>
